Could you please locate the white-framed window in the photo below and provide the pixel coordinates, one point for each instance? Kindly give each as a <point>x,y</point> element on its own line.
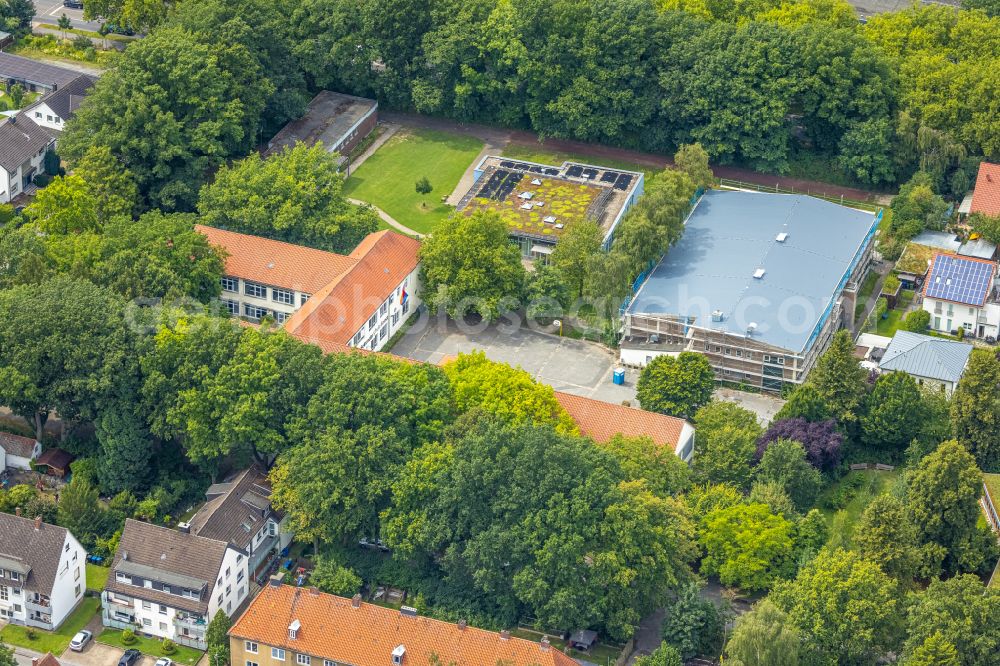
<point>14,576</point>
<point>146,605</point>
<point>162,609</point>
<point>251,647</point>
<point>229,590</point>
<point>277,653</point>
<point>254,312</point>
<point>76,590</point>
<point>255,290</point>
<point>239,557</point>
<point>76,574</point>
<point>239,576</point>
<point>303,298</point>
<point>327,662</point>
<point>146,622</point>
<point>395,317</point>
<point>233,307</point>
<point>229,607</point>
<point>383,332</point>
<point>384,309</point>
<point>302,659</point>
<point>230,284</point>
<point>122,578</point>
<point>283,296</point>
<point>251,663</point>
<point>166,588</point>
<point>4,594</point>
<point>229,572</point>
<point>74,556</point>
<point>371,322</point>
<point>280,317</point>
<point>220,600</point>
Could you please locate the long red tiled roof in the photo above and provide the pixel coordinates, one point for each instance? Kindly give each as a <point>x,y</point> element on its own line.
<point>331,628</point>
<point>986,196</point>
<point>603,420</point>
<point>276,263</point>
<point>335,312</point>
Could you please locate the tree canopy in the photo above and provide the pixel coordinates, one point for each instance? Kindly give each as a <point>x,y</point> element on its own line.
<point>677,386</point>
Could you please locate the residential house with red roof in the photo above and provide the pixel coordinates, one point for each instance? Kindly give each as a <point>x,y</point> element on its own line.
<point>294,626</point>
<point>335,301</point>
<point>985,196</point>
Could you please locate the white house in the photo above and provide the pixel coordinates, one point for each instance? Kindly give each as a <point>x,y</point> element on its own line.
<point>170,584</point>
<point>17,452</point>
<point>931,361</point>
<point>239,512</point>
<point>960,293</point>
<point>54,109</point>
<point>23,145</point>
<point>42,574</point>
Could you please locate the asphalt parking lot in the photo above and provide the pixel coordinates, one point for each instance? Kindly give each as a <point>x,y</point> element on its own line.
<point>49,11</point>
<point>574,366</point>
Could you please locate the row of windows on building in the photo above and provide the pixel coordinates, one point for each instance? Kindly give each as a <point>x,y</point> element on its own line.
<point>255,290</point>
<point>280,655</point>
<point>50,118</point>
<point>253,312</point>
<point>377,316</point>
<point>744,353</point>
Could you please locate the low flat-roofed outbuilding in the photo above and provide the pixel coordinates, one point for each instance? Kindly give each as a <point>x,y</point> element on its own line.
<point>337,120</point>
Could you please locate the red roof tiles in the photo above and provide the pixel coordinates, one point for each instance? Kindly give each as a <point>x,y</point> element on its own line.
<point>277,263</point>
<point>336,312</point>
<point>603,420</point>
<point>331,628</point>
<point>986,196</point>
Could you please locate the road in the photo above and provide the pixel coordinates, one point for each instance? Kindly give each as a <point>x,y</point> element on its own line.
<point>49,11</point>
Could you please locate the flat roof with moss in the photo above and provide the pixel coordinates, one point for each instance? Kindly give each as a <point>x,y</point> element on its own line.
<point>916,258</point>
<point>541,201</point>
<point>992,482</point>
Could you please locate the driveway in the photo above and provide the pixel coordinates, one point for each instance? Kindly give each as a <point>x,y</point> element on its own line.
<point>97,654</point>
<point>763,405</point>
<point>574,366</point>
<point>49,11</point>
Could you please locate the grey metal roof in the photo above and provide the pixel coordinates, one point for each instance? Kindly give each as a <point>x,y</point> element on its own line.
<point>33,71</point>
<point>729,236</point>
<point>979,248</point>
<point>926,356</point>
<point>328,117</point>
<point>21,139</point>
<point>942,240</point>
<point>38,550</point>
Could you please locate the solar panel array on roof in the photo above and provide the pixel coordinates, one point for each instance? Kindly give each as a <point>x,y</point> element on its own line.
<point>574,171</point>
<point>960,280</point>
<point>507,164</point>
<point>550,171</point>
<point>590,174</point>
<point>609,177</point>
<point>623,182</point>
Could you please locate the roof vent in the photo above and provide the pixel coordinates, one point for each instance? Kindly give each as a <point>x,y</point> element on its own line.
<point>759,273</point>
<point>270,265</point>
<point>544,643</point>
<point>398,654</point>
<point>356,601</point>
<point>751,327</point>
<point>717,315</point>
<point>275,580</point>
<point>124,555</point>
<point>293,629</point>
<point>163,557</point>
<point>408,611</point>
<point>505,635</point>
<point>462,624</point>
<point>781,237</point>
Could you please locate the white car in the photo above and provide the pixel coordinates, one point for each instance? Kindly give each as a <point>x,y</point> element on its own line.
<point>80,640</point>
<point>163,661</point>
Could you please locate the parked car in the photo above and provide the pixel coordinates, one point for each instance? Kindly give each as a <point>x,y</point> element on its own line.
<point>73,4</point>
<point>164,661</point>
<point>80,640</point>
<point>129,658</point>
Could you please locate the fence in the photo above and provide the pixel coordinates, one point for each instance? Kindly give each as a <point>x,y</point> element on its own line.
<point>853,203</point>
<point>876,466</point>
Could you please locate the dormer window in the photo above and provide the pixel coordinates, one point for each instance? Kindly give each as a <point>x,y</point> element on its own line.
<point>398,654</point>
<point>123,578</point>
<point>293,629</point>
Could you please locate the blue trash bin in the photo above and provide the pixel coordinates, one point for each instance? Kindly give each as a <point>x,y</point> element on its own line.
<point>619,376</point>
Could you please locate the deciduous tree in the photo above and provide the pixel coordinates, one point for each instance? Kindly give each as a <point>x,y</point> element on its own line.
<point>572,256</point>
<point>894,414</point>
<point>677,386</point>
<point>470,266</point>
<point>726,435</point>
<point>109,183</point>
<point>746,546</point>
<point>959,611</point>
<point>975,409</point>
<point>80,511</point>
<point>642,458</point>
<point>885,534</point>
<point>64,207</point>
<point>665,655</point>
<point>805,402</point>
<point>784,462</point>
<point>821,440</point>
<point>294,196</point>
<point>765,637</point>
<point>693,160</point>
<point>693,624</point>
<point>840,381</point>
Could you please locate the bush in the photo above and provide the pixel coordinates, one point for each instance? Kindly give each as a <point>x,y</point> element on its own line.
<point>128,637</point>
<point>168,646</point>
<point>82,43</point>
<point>30,633</point>
<point>845,492</point>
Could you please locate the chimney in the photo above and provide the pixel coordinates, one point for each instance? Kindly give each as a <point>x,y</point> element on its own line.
<point>184,528</point>
<point>313,591</point>
<point>505,635</point>
<point>17,511</point>
<point>544,643</point>
<point>462,624</point>
<point>408,611</point>
<point>38,523</point>
<point>13,120</point>
<point>356,601</point>
<point>34,661</point>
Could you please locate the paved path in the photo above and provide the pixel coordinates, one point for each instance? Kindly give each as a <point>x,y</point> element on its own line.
<point>388,131</point>
<point>388,219</point>
<point>492,147</point>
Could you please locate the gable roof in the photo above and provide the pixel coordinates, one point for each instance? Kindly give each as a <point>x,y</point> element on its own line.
<point>160,551</point>
<point>331,628</point>
<point>237,514</point>
<point>336,312</point>
<point>986,195</point>
<point>960,279</point>
<point>32,71</point>
<point>926,356</point>
<point>601,420</point>
<point>277,263</point>
<point>34,552</point>
<point>48,660</point>
<point>20,140</point>
<point>65,100</point>
<point>16,445</point>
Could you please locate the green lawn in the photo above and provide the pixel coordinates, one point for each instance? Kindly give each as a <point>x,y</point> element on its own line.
<point>888,326</point>
<point>97,576</point>
<point>992,482</point>
<point>387,179</point>
<point>842,521</point>
<point>55,642</point>
<point>150,646</point>
<point>539,153</point>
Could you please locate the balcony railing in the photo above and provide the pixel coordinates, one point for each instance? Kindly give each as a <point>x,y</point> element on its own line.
<point>191,622</point>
